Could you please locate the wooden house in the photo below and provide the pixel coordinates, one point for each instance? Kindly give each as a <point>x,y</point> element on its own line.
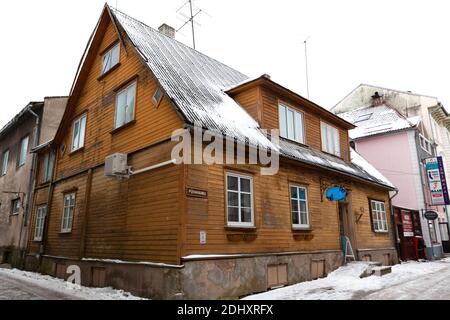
<point>178,230</point>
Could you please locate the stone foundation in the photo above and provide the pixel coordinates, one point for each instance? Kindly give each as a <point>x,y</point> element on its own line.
<point>387,256</point>
<point>228,277</point>
<point>12,256</point>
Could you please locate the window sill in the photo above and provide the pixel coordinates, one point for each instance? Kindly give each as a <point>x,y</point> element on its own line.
<point>240,228</point>
<point>65,232</point>
<point>302,229</point>
<point>295,142</point>
<point>14,215</point>
<point>332,154</point>
<point>381,232</point>
<point>108,72</point>
<point>76,151</point>
<point>126,125</point>
<point>37,241</point>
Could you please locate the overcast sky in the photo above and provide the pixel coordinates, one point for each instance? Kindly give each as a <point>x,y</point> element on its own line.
<point>396,44</point>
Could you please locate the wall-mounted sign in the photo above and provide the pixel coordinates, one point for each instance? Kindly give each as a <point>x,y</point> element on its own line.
<point>202,237</point>
<point>197,193</point>
<point>336,193</point>
<point>407,224</point>
<point>437,181</point>
<point>431,215</point>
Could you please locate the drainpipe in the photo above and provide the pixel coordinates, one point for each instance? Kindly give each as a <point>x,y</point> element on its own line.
<point>394,226</point>
<point>31,179</point>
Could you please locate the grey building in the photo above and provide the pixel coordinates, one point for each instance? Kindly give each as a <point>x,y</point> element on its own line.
<point>34,125</point>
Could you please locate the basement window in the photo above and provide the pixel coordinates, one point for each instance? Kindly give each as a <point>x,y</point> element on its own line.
<point>111,58</point>
<point>157,97</point>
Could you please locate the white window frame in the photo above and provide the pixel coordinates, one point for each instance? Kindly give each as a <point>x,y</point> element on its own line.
<point>379,215</point>
<point>111,58</point>
<point>331,139</point>
<point>425,144</point>
<point>68,212</point>
<point>239,192</point>
<point>78,141</point>
<point>126,92</point>
<point>296,134</point>
<point>306,225</point>
<point>22,159</point>
<point>5,160</point>
<point>41,213</point>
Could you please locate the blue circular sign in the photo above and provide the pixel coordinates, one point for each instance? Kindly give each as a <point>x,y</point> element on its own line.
<point>336,193</point>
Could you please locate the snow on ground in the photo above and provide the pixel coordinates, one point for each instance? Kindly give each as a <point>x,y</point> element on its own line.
<point>71,290</point>
<point>345,283</point>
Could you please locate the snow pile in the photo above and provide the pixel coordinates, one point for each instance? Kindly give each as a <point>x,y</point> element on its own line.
<point>345,283</point>
<point>71,290</point>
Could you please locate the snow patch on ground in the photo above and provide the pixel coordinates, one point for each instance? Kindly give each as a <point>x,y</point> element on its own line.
<point>71,290</point>
<point>345,283</point>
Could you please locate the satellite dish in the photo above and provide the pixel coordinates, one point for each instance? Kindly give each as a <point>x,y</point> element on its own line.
<point>336,193</point>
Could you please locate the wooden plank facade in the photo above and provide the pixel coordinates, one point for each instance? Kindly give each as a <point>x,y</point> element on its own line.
<point>151,217</point>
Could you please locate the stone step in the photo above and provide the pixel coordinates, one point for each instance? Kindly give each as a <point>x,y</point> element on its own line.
<point>381,271</point>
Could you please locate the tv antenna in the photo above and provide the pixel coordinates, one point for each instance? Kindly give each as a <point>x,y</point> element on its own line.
<point>190,18</point>
<point>306,65</point>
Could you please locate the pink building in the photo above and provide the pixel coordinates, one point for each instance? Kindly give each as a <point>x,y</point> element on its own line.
<point>397,147</point>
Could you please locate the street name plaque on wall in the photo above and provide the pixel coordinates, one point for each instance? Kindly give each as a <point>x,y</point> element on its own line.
<point>197,193</point>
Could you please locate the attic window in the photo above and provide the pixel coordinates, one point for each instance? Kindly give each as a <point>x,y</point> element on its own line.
<point>111,58</point>
<point>157,97</point>
<point>364,117</point>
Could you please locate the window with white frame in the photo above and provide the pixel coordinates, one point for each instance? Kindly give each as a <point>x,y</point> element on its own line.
<point>23,151</point>
<point>330,139</point>
<point>5,160</point>
<point>299,207</point>
<point>15,206</point>
<point>291,124</point>
<point>443,228</point>
<point>78,133</point>
<point>379,218</point>
<point>47,166</point>
<point>239,200</point>
<point>425,144</point>
<point>67,217</point>
<point>111,58</point>
<point>125,103</point>
<point>432,230</point>
<point>39,226</point>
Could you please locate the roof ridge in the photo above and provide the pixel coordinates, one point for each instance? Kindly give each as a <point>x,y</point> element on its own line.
<point>114,10</point>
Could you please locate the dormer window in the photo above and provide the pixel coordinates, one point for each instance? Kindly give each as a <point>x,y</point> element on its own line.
<point>291,124</point>
<point>111,58</point>
<point>330,139</point>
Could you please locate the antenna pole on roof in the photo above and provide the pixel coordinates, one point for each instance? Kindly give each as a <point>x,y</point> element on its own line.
<point>192,23</point>
<point>190,18</point>
<point>306,64</point>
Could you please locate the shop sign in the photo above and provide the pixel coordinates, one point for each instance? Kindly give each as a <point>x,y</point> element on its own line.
<point>408,228</point>
<point>437,181</point>
<point>336,193</point>
<point>431,215</point>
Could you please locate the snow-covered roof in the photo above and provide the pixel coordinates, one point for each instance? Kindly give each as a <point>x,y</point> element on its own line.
<point>197,85</point>
<point>373,120</point>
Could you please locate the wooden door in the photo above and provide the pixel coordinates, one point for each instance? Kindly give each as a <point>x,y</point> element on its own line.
<point>346,225</point>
